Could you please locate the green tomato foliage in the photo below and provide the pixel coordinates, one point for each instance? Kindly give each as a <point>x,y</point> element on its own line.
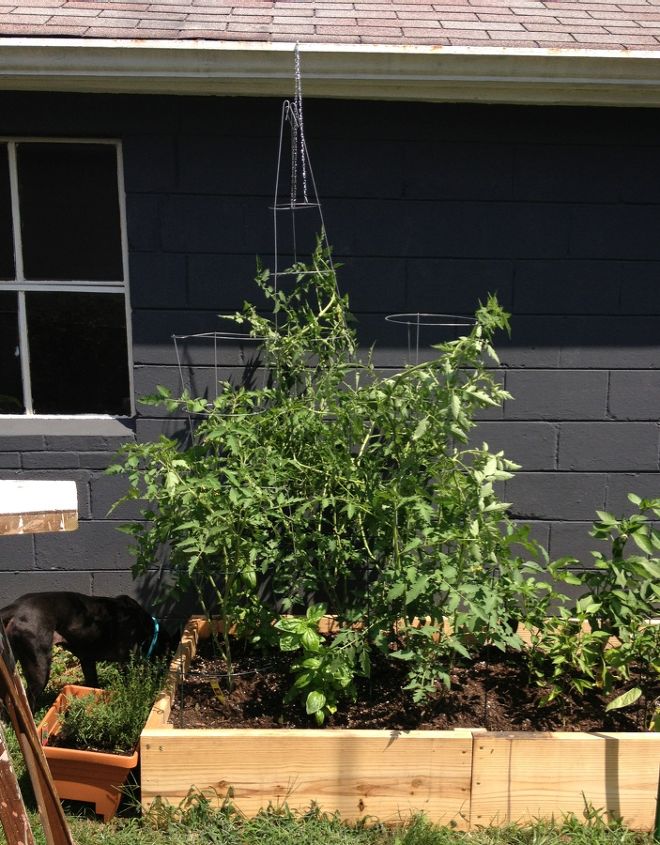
<point>325,477</point>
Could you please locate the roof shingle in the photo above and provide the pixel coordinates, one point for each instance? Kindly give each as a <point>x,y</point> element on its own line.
<point>578,24</point>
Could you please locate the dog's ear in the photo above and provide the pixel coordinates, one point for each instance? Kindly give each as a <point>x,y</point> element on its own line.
<point>128,601</point>
<point>133,620</point>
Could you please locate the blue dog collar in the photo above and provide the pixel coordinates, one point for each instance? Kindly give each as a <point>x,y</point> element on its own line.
<point>154,639</point>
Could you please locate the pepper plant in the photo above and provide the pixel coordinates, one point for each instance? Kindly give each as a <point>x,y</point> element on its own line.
<point>607,634</point>
<point>338,489</point>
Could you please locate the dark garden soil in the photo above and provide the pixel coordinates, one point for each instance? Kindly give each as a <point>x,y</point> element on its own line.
<point>489,693</point>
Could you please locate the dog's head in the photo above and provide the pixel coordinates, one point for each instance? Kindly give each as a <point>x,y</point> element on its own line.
<point>144,630</point>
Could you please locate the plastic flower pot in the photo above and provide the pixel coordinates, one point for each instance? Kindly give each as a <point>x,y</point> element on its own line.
<point>94,777</point>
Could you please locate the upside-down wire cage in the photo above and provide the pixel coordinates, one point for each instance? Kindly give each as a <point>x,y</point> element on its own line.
<point>303,195</point>
<point>204,358</point>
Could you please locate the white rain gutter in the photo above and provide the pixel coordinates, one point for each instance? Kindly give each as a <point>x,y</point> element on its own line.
<point>436,74</point>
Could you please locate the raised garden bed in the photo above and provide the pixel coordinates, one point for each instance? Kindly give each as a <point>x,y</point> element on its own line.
<point>466,776</point>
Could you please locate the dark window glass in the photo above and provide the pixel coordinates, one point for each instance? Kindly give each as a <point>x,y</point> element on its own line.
<point>11,392</point>
<point>69,205</point>
<point>78,354</point>
<point>6,235</point>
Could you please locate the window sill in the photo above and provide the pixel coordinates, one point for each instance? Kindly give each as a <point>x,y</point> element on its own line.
<point>67,426</point>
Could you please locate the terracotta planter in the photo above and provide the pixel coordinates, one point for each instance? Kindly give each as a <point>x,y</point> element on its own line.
<point>467,777</point>
<point>91,776</point>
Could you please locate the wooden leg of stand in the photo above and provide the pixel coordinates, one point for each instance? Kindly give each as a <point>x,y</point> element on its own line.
<point>48,802</point>
<point>13,816</point>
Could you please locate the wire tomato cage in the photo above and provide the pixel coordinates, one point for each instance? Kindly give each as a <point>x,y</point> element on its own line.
<point>218,350</point>
<point>418,323</point>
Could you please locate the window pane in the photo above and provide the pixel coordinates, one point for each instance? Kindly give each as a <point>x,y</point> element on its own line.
<point>69,211</point>
<point>6,235</point>
<point>78,354</point>
<point>11,393</point>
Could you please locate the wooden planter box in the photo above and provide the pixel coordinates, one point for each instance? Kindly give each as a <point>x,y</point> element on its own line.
<point>90,776</point>
<point>468,778</point>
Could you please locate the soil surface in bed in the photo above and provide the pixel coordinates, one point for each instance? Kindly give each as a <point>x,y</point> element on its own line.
<point>488,693</point>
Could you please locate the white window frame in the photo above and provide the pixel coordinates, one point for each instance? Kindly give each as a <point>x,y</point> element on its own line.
<point>21,285</point>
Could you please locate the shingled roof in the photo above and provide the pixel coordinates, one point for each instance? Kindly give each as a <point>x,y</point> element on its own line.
<point>587,52</point>
<point>566,24</point>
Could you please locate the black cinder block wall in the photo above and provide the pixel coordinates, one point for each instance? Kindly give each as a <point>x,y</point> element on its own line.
<point>429,207</point>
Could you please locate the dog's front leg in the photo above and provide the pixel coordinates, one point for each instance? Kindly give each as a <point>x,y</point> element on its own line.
<point>88,666</point>
<point>34,652</point>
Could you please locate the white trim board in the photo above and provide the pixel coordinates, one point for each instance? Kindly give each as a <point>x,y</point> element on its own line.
<point>26,497</point>
<point>435,74</point>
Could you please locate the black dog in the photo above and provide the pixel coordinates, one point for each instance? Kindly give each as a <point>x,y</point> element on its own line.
<point>90,627</point>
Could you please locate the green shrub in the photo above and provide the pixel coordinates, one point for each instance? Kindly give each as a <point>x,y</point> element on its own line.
<point>114,721</point>
<point>364,495</point>
<point>337,481</point>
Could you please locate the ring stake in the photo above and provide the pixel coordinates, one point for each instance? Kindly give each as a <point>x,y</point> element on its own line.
<point>417,322</point>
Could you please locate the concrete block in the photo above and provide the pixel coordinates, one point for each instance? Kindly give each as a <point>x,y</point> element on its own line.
<point>568,173</point>
<point>571,539</point>
<point>108,489</point>
<point>64,433</point>
<point>640,292</point>
<point>115,582</point>
<point>566,287</point>
<point>149,162</point>
<point>143,214</point>
<point>557,394</point>
<point>157,277</point>
<point>478,230</point>
<point>13,438</point>
<point>535,342</point>
<point>198,223</point>
<point>366,168</point>
<point>16,553</point>
<point>556,495</point>
<point>225,281</point>
<point>635,394</point>
<point>614,342</point>
<point>15,584</point>
<point>616,231</point>
<point>95,545</point>
<point>608,446</point>
<point>53,474</point>
<point>620,484</point>
<point>88,440</point>
<point>532,445</point>
<point>640,172</point>
<point>153,343</point>
<point>213,164</point>
<point>151,429</point>
<point>84,505</point>
<point>51,460</point>
<point>389,341</point>
<point>459,171</point>
<point>455,286</point>
<point>374,284</point>
<point>230,117</point>
<point>10,460</point>
<point>148,590</point>
<point>96,460</point>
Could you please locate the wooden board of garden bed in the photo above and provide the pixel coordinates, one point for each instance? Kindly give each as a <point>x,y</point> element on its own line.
<point>466,777</point>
